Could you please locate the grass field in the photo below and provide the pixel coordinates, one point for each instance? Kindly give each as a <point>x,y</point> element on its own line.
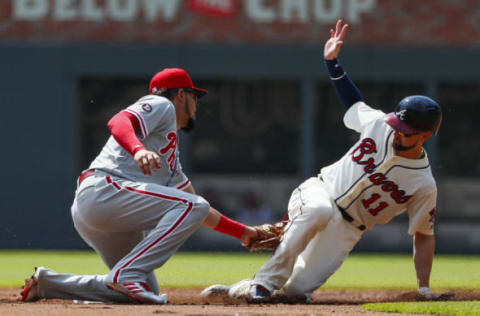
<point>441,308</point>
<point>200,269</point>
<point>203,269</point>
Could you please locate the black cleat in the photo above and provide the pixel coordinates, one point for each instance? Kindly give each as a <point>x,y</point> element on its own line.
<point>259,294</point>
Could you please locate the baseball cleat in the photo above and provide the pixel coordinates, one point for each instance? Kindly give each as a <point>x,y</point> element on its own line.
<point>258,294</point>
<point>30,289</point>
<point>214,293</point>
<point>138,292</point>
<point>240,289</point>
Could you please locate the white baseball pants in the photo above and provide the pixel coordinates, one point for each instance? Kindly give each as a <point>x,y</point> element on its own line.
<point>314,245</point>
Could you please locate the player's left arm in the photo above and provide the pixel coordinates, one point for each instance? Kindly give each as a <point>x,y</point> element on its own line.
<point>222,224</point>
<point>347,91</point>
<point>423,252</point>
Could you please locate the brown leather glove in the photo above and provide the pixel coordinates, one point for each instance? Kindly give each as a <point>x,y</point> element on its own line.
<point>268,237</point>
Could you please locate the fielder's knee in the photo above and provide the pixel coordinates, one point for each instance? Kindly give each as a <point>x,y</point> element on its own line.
<point>201,205</point>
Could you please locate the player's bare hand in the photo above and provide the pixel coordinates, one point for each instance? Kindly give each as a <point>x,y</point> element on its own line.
<point>147,160</point>
<point>334,43</point>
<point>249,234</point>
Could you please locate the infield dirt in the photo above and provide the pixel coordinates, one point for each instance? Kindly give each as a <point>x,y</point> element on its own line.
<point>189,302</point>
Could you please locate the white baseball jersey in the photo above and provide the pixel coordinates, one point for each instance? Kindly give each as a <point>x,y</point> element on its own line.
<point>372,184</point>
<point>157,120</point>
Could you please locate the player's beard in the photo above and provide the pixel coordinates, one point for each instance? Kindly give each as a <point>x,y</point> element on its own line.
<point>403,148</point>
<point>191,121</point>
<point>190,125</point>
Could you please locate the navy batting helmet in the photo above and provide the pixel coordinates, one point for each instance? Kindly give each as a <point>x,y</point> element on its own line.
<point>415,114</point>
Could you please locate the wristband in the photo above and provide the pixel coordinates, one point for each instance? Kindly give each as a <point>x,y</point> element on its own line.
<point>338,78</point>
<point>230,227</point>
<point>334,68</point>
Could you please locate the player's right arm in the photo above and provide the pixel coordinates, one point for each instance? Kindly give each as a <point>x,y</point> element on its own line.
<point>345,88</point>
<point>123,127</point>
<point>421,213</point>
<point>423,252</point>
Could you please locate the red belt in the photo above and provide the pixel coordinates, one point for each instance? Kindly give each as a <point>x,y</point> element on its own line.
<point>85,174</point>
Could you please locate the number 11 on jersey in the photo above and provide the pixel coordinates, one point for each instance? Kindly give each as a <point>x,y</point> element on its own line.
<point>374,211</point>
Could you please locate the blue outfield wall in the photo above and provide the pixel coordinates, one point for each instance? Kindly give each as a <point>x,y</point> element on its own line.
<point>38,95</point>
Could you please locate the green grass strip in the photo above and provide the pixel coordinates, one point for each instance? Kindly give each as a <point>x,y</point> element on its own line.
<point>464,308</point>
<point>387,271</point>
<point>182,270</point>
<point>198,269</point>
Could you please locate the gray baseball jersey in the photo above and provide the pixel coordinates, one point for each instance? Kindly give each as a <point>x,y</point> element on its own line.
<point>157,121</point>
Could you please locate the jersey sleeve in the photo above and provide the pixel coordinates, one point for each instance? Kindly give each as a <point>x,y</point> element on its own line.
<point>421,213</point>
<point>360,115</point>
<point>152,112</point>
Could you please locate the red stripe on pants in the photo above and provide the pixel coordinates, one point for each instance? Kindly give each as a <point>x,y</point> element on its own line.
<point>171,229</point>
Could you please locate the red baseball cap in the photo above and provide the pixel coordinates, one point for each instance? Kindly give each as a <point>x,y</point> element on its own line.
<point>170,78</point>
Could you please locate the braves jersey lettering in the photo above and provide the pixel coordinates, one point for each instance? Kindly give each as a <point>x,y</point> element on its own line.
<point>373,184</point>
<point>389,186</point>
<point>367,146</point>
<point>172,145</point>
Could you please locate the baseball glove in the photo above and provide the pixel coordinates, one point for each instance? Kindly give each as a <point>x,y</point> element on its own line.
<point>268,237</point>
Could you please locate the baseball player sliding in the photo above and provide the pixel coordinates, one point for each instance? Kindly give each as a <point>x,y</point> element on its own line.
<point>136,184</point>
<point>384,174</point>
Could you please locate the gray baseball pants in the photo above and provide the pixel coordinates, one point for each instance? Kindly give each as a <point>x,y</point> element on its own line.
<point>112,214</point>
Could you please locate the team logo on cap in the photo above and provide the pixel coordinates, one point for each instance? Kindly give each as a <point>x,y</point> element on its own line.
<point>402,115</point>
<point>147,107</point>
